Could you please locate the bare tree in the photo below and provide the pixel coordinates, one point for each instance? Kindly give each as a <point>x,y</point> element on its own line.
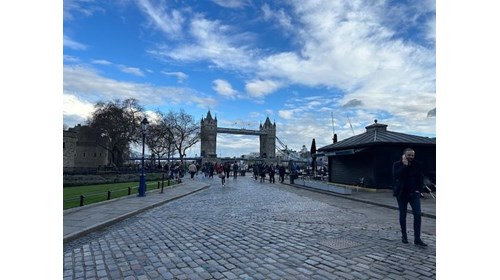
<point>159,139</point>
<point>184,131</point>
<point>118,124</point>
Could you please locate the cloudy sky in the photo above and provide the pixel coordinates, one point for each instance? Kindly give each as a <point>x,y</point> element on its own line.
<point>297,62</point>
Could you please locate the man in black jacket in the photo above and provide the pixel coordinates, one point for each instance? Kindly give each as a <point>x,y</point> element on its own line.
<point>408,184</point>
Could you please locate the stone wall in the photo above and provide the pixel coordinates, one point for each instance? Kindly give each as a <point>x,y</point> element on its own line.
<point>81,149</point>
<point>69,148</point>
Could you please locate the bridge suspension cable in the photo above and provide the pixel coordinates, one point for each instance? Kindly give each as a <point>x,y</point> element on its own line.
<point>285,152</point>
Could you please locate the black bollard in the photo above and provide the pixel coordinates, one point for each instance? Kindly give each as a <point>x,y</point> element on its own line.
<point>129,190</point>
<point>168,183</point>
<point>158,184</point>
<point>81,200</point>
<point>109,195</point>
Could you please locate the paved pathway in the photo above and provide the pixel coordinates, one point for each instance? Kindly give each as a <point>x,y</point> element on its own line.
<point>83,220</point>
<point>252,230</point>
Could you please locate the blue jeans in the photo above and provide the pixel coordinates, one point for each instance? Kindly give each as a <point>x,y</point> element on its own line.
<point>414,200</point>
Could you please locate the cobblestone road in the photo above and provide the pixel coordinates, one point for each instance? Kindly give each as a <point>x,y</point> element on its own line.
<point>252,230</point>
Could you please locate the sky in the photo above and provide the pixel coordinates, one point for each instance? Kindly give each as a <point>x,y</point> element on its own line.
<point>313,67</point>
<point>34,61</point>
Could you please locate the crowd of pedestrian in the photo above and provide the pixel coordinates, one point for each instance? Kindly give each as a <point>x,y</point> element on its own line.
<point>265,172</point>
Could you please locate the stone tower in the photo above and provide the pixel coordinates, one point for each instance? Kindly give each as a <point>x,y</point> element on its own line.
<point>82,150</point>
<point>268,141</point>
<point>208,136</point>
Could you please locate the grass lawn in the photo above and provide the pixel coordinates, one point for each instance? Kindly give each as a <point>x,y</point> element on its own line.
<point>97,193</point>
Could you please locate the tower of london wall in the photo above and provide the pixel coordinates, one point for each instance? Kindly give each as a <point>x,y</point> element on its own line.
<point>81,149</point>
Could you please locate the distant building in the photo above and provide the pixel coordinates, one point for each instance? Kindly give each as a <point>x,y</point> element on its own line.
<point>81,149</point>
<point>370,156</point>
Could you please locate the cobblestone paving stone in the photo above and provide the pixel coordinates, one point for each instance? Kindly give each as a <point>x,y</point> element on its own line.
<point>253,230</point>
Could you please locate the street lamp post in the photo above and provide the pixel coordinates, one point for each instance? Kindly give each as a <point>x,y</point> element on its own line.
<point>142,182</point>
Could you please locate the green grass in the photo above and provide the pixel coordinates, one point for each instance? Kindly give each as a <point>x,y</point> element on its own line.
<point>98,193</point>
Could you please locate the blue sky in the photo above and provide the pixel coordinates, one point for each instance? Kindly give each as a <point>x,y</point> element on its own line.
<point>296,62</point>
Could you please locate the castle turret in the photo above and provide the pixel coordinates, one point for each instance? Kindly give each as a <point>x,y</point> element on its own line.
<point>208,136</point>
<point>268,140</point>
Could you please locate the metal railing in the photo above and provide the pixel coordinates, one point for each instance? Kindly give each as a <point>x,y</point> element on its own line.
<point>94,197</point>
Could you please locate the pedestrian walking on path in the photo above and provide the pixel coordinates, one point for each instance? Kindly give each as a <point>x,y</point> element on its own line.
<point>227,168</point>
<point>262,172</point>
<point>271,174</point>
<point>408,184</point>
<point>220,173</point>
<point>281,172</point>
<point>192,169</point>
<point>235,170</point>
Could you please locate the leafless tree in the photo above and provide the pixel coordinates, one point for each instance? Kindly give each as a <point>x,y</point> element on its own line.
<point>159,139</point>
<point>118,124</point>
<point>184,131</point>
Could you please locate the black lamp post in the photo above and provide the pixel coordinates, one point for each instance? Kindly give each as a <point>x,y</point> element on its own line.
<point>142,182</point>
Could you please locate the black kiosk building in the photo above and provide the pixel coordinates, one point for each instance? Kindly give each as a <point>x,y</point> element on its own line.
<point>367,158</point>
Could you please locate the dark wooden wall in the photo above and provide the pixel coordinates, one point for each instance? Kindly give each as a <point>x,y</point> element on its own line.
<point>375,165</point>
<point>348,169</point>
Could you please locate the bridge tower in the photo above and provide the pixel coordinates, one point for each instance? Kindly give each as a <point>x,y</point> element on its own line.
<point>268,139</point>
<point>208,136</point>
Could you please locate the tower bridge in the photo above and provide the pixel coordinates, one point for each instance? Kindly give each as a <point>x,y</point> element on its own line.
<point>209,130</point>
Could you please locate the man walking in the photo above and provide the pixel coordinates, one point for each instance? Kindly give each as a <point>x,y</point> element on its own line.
<point>408,184</point>
<point>235,170</point>
<point>192,169</point>
<point>281,172</point>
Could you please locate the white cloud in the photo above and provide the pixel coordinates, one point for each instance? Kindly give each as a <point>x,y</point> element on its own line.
<point>348,46</point>
<point>286,114</point>
<point>92,87</point>
<point>131,70</point>
<point>211,42</point>
<point>70,43</point>
<point>76,109</point>
<point>280,16</point>
<point>181,77</point>
<point>261,88</point>
<point>231,3</point>
<point>431,30</point>
<point>224,88</point>
<point>81,7</point>
<point>169,23</point>
<point>70,59</point>
<point>232,145</point>
<point>123,68</point>
<point>300,131</point>
<point>101,62</point>
<point>352,46</point>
